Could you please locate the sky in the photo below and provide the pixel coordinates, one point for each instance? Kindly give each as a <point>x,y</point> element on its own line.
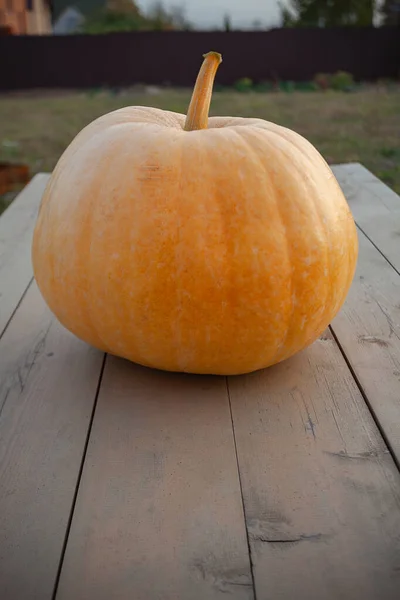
<point>210,13</point>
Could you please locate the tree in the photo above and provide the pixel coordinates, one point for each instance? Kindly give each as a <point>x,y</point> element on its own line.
<point>109,21</point>
<point>390,12</point>
<point>257,24</point>
<point>124,15</point>
<point>287,17</point>
<point>160,18</point>
<point>328,13</point>
<point>178,16</point>
<point>126,7</point>
<point>227,23</point>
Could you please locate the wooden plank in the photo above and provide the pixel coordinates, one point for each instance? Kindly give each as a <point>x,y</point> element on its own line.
<point>159,511</point>
<point>367,194</point>
<point>48,382</point>
<point>368,330</point>
<point>321,491</point>
<point>376,208</point>
<point>16,228</point>
<point>384,232</point>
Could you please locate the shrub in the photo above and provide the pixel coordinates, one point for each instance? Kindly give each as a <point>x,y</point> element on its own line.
<point>287,86</point>
<point>244,84</point>
<point>342,81</point>
<point>306,86</point>
<point>322,81</point>
<point>264,86</point>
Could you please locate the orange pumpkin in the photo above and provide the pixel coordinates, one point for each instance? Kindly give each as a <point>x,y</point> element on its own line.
<point>218,245</point>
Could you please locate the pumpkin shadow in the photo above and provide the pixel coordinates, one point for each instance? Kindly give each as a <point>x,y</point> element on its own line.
<point>125,383</point>
<point>140,384</point>
<point>132,388</point>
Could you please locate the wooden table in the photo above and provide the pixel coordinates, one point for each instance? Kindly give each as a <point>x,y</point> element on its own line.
<point>121,483</point>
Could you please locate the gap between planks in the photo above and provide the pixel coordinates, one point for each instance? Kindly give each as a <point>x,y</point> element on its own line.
<point>367,327</point>
<point>16,229</point>
<point>48,381</point>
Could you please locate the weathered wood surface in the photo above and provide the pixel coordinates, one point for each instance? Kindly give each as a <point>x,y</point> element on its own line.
<point>376,208</point>
<point>321,491</point>
<point>368,331</point>
<point>48,382</point>
<point>159,512</point>
<point>16,228</point>
<point>199,487</point>
<point>368,326</point>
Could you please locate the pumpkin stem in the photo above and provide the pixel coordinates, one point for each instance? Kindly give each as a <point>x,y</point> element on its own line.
<point>197,115</point>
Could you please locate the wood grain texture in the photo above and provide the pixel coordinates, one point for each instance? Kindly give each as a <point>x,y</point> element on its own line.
<point>48,382</point>
<point>375,207</point>
<point>367,194</point>
<point>368,330</point>
<point>16,229</point>
<point>159,511</point>
<point>321,491</point>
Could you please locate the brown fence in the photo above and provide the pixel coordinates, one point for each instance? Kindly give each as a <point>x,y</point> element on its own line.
<point>123,59</point>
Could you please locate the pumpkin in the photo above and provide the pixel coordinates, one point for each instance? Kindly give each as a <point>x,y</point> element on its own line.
<point>203,245</point>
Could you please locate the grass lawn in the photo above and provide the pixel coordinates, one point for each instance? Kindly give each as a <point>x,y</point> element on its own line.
<point>363,126</point>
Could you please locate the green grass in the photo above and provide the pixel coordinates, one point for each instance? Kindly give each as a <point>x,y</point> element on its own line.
<point>363,126</point>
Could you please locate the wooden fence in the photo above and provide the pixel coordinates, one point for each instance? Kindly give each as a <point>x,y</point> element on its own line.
<point>123,59</point>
